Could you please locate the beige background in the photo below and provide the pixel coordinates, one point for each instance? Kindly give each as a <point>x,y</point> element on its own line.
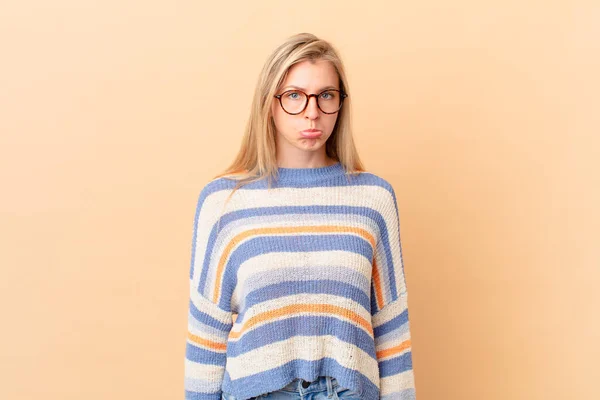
<point>483,115</point>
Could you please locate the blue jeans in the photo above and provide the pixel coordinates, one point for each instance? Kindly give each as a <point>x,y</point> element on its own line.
<point>324,388</point>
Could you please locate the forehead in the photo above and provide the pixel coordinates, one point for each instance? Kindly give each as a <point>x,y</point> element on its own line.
<point>312,76</point>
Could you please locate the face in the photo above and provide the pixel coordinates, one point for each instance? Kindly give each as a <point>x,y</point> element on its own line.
<point>291,142</point>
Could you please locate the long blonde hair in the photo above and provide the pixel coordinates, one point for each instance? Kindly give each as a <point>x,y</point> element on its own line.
<point>257,158</point>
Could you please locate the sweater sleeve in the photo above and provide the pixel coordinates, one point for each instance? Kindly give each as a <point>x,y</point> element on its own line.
<point>209,323</point>
<point>390,309</point>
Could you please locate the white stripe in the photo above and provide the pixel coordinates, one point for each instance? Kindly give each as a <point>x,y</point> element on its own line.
<point>391,310</point>
<point>305,348</point>
<point>193,369</point>
<point>397,383</point>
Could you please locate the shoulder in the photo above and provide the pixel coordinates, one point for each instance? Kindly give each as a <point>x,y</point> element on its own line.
<point>214,189</point>
<point>376,180</point>
<point>215,185</point>
<point>385,201</point>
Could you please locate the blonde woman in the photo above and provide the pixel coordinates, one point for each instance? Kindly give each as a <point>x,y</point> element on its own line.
<point>297,286</point>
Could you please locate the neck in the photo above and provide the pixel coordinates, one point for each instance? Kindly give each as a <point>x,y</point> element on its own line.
<point>310,174</point>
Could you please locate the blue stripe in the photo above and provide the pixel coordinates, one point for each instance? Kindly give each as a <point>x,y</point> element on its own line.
<point>290,288</point>
<point>396,365</point>
<point>394,323</point>
<point>204,356</point>
<point>189,395</point>
<point>207,318</point>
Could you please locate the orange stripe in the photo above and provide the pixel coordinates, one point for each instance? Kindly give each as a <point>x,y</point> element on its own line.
<point>393,350</point>
<point>377,282</point>
<point>298,308</point>
<point>206,343</point>
<point>298,229</point>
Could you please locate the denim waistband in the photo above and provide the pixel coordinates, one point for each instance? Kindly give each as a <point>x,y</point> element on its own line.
<point>322,383</point>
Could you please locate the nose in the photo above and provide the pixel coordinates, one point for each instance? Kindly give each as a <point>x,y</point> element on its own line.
<point>312,109</point>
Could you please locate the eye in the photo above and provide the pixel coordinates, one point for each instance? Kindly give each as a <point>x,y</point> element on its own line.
<point>294,95</point>
<point>328,95</point>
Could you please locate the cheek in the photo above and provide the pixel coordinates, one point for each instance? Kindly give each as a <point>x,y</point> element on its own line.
<point>283,121</point>
<point>331,120</point>
<point>278,118</point>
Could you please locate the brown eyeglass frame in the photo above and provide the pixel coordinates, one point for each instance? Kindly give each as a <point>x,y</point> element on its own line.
<point>308,96</point>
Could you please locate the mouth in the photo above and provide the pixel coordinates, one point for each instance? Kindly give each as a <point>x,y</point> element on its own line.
<point>311,133</point>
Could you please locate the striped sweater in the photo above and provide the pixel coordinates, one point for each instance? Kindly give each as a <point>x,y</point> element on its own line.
<point>299,280</point>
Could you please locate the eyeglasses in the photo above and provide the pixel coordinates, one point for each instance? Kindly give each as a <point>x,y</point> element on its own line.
<point>295,101</point>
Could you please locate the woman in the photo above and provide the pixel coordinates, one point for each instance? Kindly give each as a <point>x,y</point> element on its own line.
<point>297,286</point>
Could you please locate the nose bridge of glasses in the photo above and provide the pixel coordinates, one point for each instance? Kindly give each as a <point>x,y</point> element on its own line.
<point>309,96</point>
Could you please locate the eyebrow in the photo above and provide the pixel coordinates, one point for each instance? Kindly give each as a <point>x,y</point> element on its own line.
<point>301,88</point>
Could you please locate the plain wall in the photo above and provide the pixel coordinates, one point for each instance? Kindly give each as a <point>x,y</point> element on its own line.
<point>483,115</point>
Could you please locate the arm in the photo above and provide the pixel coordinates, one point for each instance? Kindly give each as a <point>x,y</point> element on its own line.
<point>208,323</point>
<point>390,309</point>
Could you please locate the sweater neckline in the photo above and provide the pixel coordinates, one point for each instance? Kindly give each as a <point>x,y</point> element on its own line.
<point>311,174</point>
